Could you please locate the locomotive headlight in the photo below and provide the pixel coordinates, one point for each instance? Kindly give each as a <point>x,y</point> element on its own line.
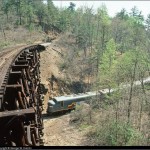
<point>51,103</point>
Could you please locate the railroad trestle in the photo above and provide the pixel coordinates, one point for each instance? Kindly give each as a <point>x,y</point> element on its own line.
<point>21,101</point>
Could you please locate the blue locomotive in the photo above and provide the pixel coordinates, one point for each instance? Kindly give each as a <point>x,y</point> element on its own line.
<point>68,102</point>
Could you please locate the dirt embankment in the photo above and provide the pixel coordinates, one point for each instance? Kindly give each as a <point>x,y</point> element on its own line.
<point>48,68</point>
<point>57,130</point>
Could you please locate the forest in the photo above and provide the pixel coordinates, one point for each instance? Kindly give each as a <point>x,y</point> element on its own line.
<point>104,52</point>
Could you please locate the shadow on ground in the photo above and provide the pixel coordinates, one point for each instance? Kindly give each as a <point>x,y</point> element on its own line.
<point>43,89</point>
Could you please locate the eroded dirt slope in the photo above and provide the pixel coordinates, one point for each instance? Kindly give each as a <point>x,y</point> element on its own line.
<point>57,130</point>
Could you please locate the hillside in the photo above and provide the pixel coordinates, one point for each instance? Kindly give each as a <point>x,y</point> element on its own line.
<point>83,125</point>
<point>89,51</point>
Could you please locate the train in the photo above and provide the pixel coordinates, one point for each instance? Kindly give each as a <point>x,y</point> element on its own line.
<point>68,102</point>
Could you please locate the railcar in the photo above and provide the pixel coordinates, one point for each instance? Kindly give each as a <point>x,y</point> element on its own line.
<point>68,102</point>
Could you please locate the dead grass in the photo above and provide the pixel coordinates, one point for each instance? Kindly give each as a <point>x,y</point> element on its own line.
<point>20,35</point>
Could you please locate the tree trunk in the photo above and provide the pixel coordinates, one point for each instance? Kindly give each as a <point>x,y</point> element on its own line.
<point>7,16</point>
<point>20,19</point>
<point>117,121</point>
<point>4,34</point>
<point>131,92</point>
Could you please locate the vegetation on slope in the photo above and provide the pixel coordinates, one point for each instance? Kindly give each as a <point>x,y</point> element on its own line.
<point>104,52</point>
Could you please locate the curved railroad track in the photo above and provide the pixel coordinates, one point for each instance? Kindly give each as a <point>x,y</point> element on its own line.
<point>21,123</point>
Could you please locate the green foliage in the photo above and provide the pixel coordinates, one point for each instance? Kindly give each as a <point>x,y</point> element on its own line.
<point>123,15</point>
<point>63,20</point>
<point>112,98</point>
<point>102,13</point>
<point>147,86</point>
<point>72,6</point>
<point>31,27</point>
<point>4,44</point>
<point>137,15</point>
<point>63,66</point>
<point>52,13</point>
<point>148,22</point>
<point>116,50</point>
<point>116,134</point>
<point>107,64</point>
<point>108,58</point>
<point>127,63</point>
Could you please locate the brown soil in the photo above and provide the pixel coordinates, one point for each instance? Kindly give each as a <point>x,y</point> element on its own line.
<point>57,130</point>
<point>48,67</point>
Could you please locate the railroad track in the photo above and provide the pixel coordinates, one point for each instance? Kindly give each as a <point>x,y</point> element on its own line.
<point>6,57</point>
<point>21,101</point>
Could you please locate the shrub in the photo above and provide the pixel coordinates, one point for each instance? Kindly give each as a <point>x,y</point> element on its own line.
<point>116,134</point>
<point>63,66</point>
<point>4,44</point>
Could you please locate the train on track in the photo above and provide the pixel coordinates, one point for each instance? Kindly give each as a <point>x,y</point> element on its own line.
<point>68,102</point>
<point>21,104</point>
